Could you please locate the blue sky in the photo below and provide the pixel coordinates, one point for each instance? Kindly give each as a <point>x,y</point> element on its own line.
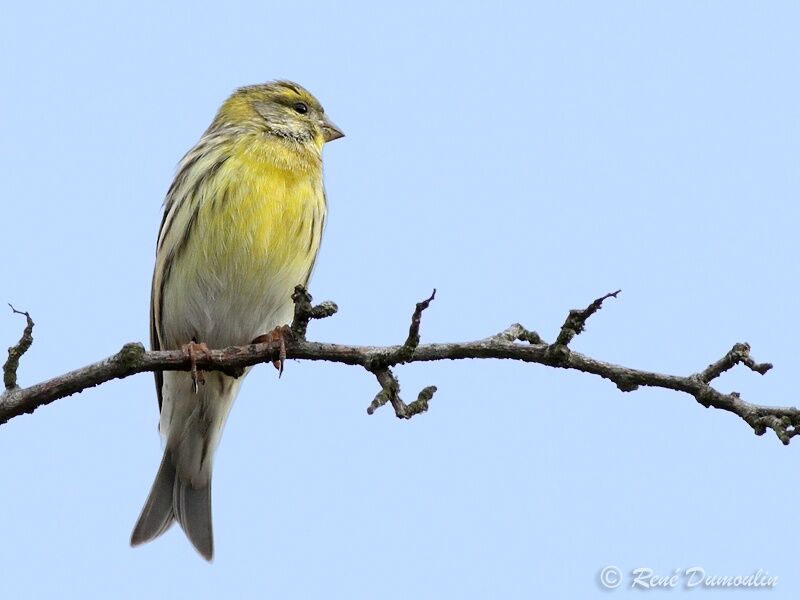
<point>521,158</point>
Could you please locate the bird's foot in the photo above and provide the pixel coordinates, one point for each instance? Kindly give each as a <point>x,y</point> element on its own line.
<point>277,340</point>
<point>195,351</point>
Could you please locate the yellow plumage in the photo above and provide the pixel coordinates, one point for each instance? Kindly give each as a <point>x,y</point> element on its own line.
<point>242,226</point>
<point>259,227</point>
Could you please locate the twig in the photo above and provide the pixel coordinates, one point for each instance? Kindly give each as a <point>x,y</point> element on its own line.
<point>304,311</point>
<point>390,392</point>
<point>576,320</point>
<point>412,341</point>
<point>390,386</point>
<point>16,351</point>
<point>740,353</point>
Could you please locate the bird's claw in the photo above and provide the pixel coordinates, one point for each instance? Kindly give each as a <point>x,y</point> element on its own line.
<point>277,341</point>
<point>196,351</point>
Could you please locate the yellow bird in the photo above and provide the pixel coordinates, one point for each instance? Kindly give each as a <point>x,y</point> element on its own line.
<point>242,225</point>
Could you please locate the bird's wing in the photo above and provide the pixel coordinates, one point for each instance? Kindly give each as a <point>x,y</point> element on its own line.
<point>163,264</point>
<point>181,208</point>
<point>155,304</point>
<point>155,344</point>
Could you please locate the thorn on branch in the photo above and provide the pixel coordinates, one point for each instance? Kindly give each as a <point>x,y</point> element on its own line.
<point>740,353</point>
<point>304,311</point>
<point>390,392</point>
<point>16,351</point>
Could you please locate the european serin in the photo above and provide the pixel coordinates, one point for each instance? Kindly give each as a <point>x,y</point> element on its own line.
<point>242,225</point>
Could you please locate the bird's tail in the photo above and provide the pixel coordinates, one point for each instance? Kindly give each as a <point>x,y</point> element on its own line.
<point>172,498</point>
<point>191,423</point>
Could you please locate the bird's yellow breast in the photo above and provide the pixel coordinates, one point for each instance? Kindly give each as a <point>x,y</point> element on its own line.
<point>264,215</point>
<point>254,235</point>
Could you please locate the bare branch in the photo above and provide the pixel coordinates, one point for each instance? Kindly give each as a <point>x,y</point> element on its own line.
<point>576,320</point>
<point>16,351</point>
<point>412,341</point>
<point>740,353</point>
<point>390,386</point>
<point>304,311</point>
<point>514,343</point>
<point>390,392</point>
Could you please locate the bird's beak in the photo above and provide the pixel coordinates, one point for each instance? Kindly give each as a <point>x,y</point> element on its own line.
<point>330,131</point>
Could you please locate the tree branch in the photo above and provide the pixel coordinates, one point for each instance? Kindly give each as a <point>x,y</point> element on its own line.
<point>16,351</point>
<point>514,343</point>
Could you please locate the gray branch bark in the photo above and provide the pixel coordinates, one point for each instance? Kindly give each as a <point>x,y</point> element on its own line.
<point>515,343</point>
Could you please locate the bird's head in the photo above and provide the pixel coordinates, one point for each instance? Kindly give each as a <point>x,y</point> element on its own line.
<point>280,108</point>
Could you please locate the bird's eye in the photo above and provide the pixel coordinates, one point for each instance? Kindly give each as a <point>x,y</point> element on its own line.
<point>300,107</point>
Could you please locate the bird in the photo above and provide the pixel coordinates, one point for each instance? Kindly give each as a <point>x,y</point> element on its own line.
<point>242,225</point>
